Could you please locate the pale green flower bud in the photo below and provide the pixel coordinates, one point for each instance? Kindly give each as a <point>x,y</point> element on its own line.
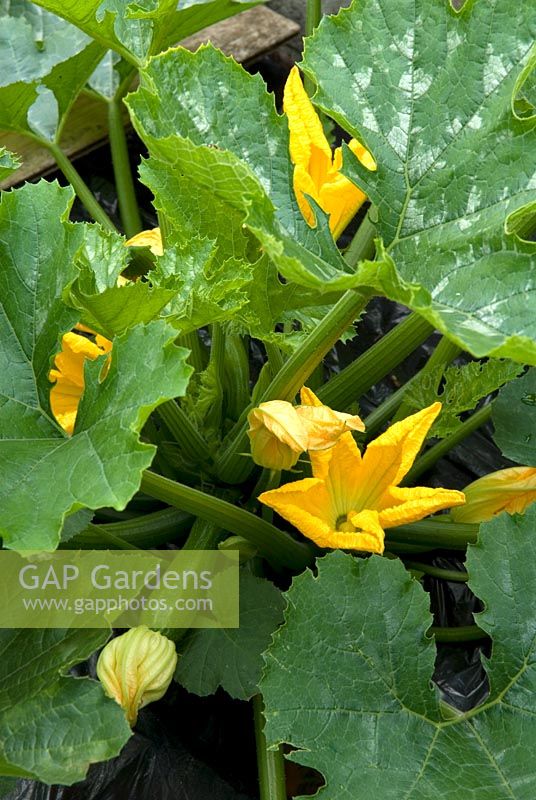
<point>136,669</point>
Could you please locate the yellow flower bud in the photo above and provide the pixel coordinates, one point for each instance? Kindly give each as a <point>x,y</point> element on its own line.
<point>136,669</point>
<point>510,490</point>
<point>277,435</point>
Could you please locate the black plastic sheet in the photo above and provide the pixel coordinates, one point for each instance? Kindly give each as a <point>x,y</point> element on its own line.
<point>154,765</point>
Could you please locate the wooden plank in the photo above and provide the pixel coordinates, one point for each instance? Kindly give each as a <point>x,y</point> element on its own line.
<point>246,36</point>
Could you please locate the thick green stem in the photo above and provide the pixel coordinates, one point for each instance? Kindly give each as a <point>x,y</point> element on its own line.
<point>400,549</point>
<point>237,390</point>
<point>217,352</point>
<point>433,533</point>
<point>386,411</point>
<point>233,467</point>
<point>276,546</point>
<point>375,363</point>
<point>463,633</point>
<point>439,450</point>
<point>313,15</point>
<point>270,763</point>
<point>362,245</point>
<point>275,358</point>
<point>82,190</point>
<point>203,536</point>
<point>437,572</point>
<point>147,531</point>
<point>124,183</point>
<point>444,353</point>
<point>184,432</point>
<point>192,342</point>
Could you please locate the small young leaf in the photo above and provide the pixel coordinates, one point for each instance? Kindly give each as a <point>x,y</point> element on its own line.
<point>462,389</point>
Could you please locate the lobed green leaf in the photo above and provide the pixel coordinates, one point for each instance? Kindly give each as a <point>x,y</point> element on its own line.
<point>347,678</point>
<point>101,464</point>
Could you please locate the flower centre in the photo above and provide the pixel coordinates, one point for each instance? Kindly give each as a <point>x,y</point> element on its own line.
<point>344,524</point>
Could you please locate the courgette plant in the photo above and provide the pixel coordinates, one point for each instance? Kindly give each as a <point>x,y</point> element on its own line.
<point>437,106</point>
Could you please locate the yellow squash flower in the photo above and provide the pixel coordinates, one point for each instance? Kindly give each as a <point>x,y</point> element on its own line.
<point>510,490</point>
<point>68,374</point>
<point>324,425</point>
<point>280,432</point>
<point>276,434</point>
<point>352,498</point>
<point>151,239</point>
<point>136,668</point>
<point>316,169</point>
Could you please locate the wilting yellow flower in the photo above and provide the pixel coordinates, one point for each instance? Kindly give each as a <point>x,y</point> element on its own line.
<point>136,669</point>
<point>324,425</point>
<point>151,239</point>
<point>316,168</point>
<point>68,374</point>
<point>276,434</point>
<point>280,432</point>
<point>352,498</point>
<point>511,490</point>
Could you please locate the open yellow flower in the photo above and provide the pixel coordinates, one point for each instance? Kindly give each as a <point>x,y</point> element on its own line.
<point>280,432</point>
<point>151,238</point>
<point>352,498</point>
<point>316,168</point>
<point>510,490</point>
<point>68,374</point>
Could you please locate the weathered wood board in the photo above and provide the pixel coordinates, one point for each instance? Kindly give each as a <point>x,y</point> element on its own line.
<point>246,36</point>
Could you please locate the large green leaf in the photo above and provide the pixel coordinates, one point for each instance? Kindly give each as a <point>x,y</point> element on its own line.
<point>514,418</point>
<point>44,63</point>
<point>222,141</point>
<point>101,463</point>
<point>347,679</point>
<point>233,658</point>
<point>52,726</point>
<point>429,91</point>
<point>220,168</point>
<point>236,145</point>
<point>138,28</point>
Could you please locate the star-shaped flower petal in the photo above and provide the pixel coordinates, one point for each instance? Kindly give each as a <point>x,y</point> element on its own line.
<point>352,498</point>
